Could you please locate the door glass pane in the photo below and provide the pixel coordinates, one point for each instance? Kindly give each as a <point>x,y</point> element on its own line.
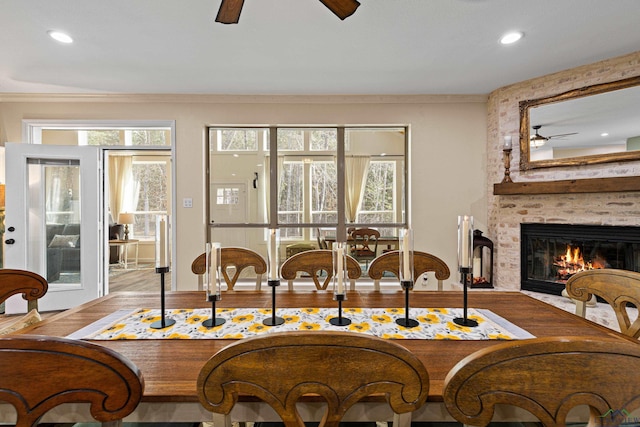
<point>54,221</point>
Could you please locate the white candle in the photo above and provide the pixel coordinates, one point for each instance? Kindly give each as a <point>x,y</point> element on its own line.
<point>162,242</point>
<point>464,249</point>
<point>477,271</point>
<point>215,254</point>
<point>340,269</point>
<point>214,265</point>
<point>273,255</point>
<point>507,142</point>
<point>406,267</point>
<point>208,285</point>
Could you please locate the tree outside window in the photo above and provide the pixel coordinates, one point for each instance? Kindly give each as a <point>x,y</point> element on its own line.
<point>378,202</point>
<point>152,196</point>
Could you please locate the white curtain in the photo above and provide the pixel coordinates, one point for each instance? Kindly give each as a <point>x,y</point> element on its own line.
<point>356,168</point>
<point>123,190</point>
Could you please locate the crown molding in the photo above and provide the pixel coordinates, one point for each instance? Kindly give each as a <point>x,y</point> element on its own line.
<point>241,99</point>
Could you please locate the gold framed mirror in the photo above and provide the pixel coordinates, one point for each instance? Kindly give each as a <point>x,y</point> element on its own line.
<point>589,125</point>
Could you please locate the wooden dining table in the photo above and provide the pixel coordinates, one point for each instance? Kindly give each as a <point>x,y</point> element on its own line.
<point>170,366</point>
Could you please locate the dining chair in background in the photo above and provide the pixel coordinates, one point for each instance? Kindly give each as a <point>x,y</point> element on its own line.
<point>322,242</point>
<point>38,373</point>
<point>32,286</point>
<point>314,263</point>
<point>364,244</point>
<point>422,263</point>
<point>619,288</point>
<point>340,367</point>
<point>547,377</point>
<point>236,258</point>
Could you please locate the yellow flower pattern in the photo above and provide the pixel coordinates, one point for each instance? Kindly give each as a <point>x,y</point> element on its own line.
<point>381,318</point>
<point>305,326</point>
<point>243,318</point>
<point>433,323</point>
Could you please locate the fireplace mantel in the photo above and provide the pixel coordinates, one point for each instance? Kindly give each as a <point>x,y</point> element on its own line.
<point>591,185</point>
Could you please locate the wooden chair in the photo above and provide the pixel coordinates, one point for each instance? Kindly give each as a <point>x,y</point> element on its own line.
<point>322,243</point>
<point>313,263</point>
<point>364,244</point>
<point>617,287</point>
<point>340,367</point>
<point>547,377</point>
<point>32,286</point>
<point>39,373</point>
<point>422,263</point>
<point>240,258</point>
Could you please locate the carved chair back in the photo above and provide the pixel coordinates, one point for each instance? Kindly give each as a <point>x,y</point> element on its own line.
<point>547,377</point>
<point>314,263</point>
<point>340,367</point>
<point>39,373</point>
<point>619,288</point>
<point>240,259</point>
<point>422,263</point>
<point>32,286</point>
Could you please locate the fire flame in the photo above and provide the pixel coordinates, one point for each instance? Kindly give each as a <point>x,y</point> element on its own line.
<point>573,262</point>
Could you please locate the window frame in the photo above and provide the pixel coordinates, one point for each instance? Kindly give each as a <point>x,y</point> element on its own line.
<point>271,151</point>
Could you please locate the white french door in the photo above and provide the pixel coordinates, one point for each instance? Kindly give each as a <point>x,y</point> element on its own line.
<point>54,221</point>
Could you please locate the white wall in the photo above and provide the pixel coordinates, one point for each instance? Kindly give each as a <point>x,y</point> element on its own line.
<point>448,149</point>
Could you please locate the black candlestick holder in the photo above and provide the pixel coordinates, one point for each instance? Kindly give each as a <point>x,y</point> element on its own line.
<point>273,320</point>
<point>340,320</point>
<point>162,323</point>
<point>214,321</point>
<point>407,285</point>
<point>467,279</point>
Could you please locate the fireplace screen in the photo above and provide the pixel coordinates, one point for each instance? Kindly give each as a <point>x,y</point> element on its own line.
<point>551,253</point>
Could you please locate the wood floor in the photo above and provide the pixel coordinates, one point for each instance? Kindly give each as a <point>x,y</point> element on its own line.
<point>143,279</point>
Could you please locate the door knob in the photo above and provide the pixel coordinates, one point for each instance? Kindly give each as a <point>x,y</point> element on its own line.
<point>10,241</point>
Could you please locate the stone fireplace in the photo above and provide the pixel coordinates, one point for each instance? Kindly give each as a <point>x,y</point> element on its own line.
<point>552,253</point>
<point>599,207</point>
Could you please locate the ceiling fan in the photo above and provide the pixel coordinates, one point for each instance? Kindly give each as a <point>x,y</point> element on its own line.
<point>229,12</point>
<point>537,140</point>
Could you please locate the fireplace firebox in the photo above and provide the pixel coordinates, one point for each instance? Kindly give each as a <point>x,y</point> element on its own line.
<point>551,253</point>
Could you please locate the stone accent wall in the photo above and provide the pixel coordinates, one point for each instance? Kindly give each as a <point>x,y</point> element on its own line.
<point>506,213</point>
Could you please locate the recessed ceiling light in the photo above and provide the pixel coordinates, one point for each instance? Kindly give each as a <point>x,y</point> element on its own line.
<point>511,37</point>
<point>604,134</point>
<point>61,37</point>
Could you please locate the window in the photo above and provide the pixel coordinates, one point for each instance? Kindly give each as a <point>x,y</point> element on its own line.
<point>324,192</point>
<point>290,139</point>
<point>379,195</point>
<point>307,190</point>
<point>151,178</point>
<point>291,198</point>
<point>116,137</point>
<point>237,139</point>
<point>227,196</point>
<point>324,140</point>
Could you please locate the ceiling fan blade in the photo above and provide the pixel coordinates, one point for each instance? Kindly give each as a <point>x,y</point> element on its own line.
<point>560,135</point>
<point>342,8</point>
<point>229,12</point>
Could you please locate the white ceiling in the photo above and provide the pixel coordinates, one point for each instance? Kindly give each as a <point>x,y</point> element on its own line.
<point>299,47</point>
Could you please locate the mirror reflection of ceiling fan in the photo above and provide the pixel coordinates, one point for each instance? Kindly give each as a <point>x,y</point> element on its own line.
<point>537,140</point>
<point>229,12</point>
